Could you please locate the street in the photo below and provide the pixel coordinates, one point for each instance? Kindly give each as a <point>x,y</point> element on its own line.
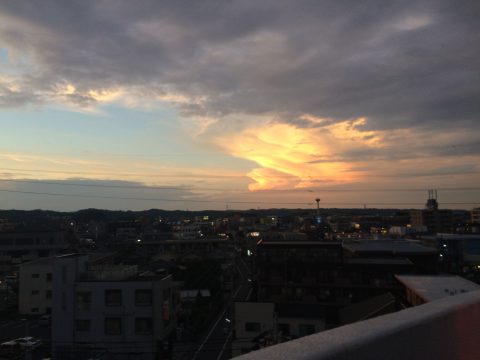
<point>21,327</point>
<point>16,328</point>
<point>216,345</point>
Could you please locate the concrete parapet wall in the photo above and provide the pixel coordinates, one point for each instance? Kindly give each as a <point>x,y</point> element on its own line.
<point>445,329</point>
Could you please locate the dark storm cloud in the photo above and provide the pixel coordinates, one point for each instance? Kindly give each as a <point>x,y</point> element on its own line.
<point>399,64</point>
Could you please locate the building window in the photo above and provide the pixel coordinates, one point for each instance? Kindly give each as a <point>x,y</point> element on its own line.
<point>82,325</point>
<point>34,292</point>
<point>143,297</point>
<point>252,326</point>
<point>113,326</point>
<point>143,326</point>
<point>49,277</point>
<point>35,276</point>
<point>84,300</point>
<point>306,329</point>
<point>113,297</point>
<point>48,294</point>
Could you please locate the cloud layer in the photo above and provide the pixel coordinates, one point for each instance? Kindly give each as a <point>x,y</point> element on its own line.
<point>396,63</point>
<point>313,92</point>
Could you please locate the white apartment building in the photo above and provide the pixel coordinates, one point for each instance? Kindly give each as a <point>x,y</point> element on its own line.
<point>475,215</point>
<point>262,324</point>
<point>35,287</point>
<point>110,310</point>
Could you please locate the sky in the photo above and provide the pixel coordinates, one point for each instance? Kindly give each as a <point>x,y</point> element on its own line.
<point>239,104</point>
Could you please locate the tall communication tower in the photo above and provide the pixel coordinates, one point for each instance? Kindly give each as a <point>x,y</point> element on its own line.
<point>432,203</point>
<point>318,218</point>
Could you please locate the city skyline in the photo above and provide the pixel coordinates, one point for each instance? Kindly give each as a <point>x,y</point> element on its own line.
<point>208,105</point>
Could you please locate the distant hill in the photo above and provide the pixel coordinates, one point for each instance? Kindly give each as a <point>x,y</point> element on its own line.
<point>109,215</point>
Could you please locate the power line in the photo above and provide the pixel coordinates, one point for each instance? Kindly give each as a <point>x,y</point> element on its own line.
<point>146,187</point>
<point>179,175</point>
<point>191,188</point>
<point>229,201</point>
<point>152,199</point>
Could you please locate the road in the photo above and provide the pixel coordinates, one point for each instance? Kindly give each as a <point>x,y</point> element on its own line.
<point>16,328</point>
<point>216,345</point>
<point>19,327</point>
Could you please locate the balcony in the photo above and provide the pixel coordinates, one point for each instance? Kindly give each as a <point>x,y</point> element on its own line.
<point>444,329</point>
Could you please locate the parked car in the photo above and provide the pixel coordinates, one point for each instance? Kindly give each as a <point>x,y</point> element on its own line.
<point>28,342</point>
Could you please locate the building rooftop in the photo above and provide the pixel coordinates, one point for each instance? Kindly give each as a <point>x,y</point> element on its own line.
<point>387,246</point>
<point>40,261</point>
<point>73,255</point>
<point>378,261</point>
<point>300,310</point>
<point>457,236</point>
<point>300,243</point>
<point>110,272</point>
<point>193,293</point>
<point>431,288</point>
<point>186,241</point>
<point>366,309</point>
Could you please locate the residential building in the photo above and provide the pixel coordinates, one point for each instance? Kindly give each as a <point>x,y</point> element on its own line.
<point>436,220</point>
<point>112,310</point>
<point>475,214</point>
<point>262,324</point>
<point>422,289</point>
<point>459,253</point>
<point>424,258</point>
<point>35,287</point>
<point>23,245</point>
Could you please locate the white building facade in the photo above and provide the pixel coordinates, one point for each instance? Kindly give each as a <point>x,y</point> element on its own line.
<point>35,287</point>
<point>110,311</point>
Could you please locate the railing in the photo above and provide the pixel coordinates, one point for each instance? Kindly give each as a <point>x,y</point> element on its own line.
<point>111,272</point>
<point>445,329</point>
